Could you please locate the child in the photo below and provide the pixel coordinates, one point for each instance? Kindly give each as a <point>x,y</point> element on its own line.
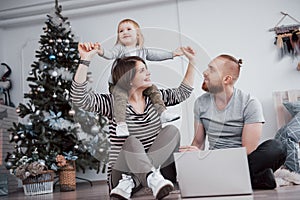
<point>130,42</point>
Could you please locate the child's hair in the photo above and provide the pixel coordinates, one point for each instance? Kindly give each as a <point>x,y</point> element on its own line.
<point>140,37</point>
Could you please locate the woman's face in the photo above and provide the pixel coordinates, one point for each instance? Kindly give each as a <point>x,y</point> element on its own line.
<point>141,79</point>
<point>127,34</point>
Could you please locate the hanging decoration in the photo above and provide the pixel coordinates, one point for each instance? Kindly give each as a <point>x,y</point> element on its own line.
<point>287,38</point>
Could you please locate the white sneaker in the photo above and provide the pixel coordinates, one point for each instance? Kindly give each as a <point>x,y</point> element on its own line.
<point>124,188</point>
<point>159,185</point>
<point>168,117</point>
<point>122,129</point>
<point>288,176</point>
<point>281,182</point>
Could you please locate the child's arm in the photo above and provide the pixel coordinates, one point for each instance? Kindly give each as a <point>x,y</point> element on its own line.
<point>111,54</point>
<point>160,54</point>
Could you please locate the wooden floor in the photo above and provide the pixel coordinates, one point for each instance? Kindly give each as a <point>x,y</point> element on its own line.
<point>99,191</point>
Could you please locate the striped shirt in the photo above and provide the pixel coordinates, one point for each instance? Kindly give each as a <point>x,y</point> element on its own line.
<point>144,126</point>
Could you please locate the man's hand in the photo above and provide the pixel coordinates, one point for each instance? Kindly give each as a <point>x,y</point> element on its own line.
<point>188,148</point>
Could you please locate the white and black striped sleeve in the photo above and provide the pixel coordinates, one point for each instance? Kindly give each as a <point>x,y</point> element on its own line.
<point>90,101</point>
<point>176,95</point>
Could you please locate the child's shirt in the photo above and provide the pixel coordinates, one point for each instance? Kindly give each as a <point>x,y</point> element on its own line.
<point>151,54</point>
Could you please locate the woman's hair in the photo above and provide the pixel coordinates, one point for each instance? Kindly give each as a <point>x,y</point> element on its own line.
<point>140,37</point>
<point>123,71</point>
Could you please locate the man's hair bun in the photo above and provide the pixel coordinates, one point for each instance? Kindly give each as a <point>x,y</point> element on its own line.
<point>240,61</point>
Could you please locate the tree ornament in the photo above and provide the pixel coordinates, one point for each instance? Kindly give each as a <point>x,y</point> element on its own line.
<point>27,174</point>
<point>54,74</point>
<point>35,155</point>
<point>54,95</point>
<point>66,94</point>
<point>95,130</point>
<point>71,112</point>
<point>9,165</point>
<point>101,150</point>
<point>18,110</point>
<point>52,57</point>
<point>16,138</point>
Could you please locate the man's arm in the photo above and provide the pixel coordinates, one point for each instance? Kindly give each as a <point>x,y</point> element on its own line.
<point>199,137</point>
<point>251,135</point>
<point>198,141</point>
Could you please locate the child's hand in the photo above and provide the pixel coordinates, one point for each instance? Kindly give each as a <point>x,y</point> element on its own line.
<point>177,52</point>
<point>189,52</point>
<point>99,49</point>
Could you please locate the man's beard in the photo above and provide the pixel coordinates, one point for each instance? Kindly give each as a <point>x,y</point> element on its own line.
<point>212,89</point>
<point>204,87</point>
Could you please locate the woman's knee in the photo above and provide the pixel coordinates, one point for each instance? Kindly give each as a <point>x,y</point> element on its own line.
<point>172,132</point>
<point>131,142</point>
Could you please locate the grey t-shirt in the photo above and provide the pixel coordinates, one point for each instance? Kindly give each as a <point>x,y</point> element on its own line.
<point>224,127</point>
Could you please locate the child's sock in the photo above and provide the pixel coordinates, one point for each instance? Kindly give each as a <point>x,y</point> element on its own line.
<point>168,117</point>
<point>122,129</point>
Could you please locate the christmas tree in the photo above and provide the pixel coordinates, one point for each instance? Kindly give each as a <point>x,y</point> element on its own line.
<point>51,126</point>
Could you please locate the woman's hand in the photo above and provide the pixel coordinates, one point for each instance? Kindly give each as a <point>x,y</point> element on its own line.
<point>87,50</point>
<point>191,70</point>
<point>189,53</point>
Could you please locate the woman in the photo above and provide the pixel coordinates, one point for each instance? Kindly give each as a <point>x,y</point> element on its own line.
<point>135,160</point>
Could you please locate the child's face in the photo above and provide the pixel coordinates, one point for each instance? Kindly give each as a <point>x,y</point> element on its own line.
<point>127,34</point>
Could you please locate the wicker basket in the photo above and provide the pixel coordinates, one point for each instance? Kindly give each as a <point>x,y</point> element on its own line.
<point>40,184</point>
<point>67,177</point>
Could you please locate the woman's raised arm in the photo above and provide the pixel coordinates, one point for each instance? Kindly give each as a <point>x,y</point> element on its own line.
<point>191,69</point>
<point>86,50</point>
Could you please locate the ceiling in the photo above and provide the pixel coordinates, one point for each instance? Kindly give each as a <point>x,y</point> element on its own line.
<point>13,12</point>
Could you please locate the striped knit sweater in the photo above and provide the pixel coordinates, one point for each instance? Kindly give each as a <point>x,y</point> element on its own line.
<point>145,126</point>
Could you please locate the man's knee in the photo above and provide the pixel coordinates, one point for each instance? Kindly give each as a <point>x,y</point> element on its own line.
<point>277,148</point>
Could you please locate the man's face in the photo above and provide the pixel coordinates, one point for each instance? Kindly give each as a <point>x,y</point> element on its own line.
<point>213,76</point>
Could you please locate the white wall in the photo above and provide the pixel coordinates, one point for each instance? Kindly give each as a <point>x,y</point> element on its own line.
<point>237,27</point>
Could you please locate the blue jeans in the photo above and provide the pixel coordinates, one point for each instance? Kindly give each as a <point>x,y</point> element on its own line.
<point>290,138</point>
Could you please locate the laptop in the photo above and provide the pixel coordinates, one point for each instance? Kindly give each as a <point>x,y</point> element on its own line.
<point>213,172</point>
